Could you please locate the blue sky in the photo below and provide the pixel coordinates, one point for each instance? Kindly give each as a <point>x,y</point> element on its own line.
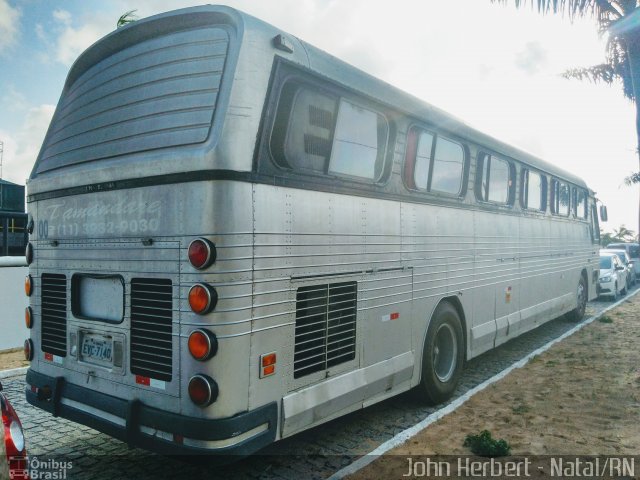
<point>495,67</point>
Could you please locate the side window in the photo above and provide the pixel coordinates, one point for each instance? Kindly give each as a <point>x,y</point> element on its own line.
<point>423,160</point>
<point>595,225</point>
<point>434,163</point>
<point>533,192</point>
<point>358,142</point>
<point>581,203</point>
<point>560,198</point>
<point>494,179</point>
<point>321,133</point>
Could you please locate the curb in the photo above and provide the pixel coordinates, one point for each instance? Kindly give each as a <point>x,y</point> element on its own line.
<point>13,372</point>
<point>410,432</point>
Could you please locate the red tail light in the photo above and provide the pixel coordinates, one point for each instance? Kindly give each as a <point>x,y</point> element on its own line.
<point>28,349</point>
<point>13,433</point>
<point>203,390</point>
<point>202,253</point>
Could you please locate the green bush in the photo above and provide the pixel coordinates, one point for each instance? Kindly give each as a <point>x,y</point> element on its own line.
<point>487,446</point>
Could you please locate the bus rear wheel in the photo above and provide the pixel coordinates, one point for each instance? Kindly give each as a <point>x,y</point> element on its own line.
<point>577,313</point>
<point>442,355</point>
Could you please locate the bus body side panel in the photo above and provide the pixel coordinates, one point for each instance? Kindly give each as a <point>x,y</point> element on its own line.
<point>306,242</point>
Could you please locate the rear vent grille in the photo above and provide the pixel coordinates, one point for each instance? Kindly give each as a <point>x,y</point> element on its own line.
<point>151,328</point>
<point>325,327</point>
<point>54,314</point>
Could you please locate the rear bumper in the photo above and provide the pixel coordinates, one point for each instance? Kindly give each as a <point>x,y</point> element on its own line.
<point>133,422</point>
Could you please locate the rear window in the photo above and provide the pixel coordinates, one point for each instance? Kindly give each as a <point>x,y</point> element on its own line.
<point>322,133</point>
<point>153,93</point>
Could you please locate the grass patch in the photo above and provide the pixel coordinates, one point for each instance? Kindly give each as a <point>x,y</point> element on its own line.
<point>487,446</point>
<point>605,319</point>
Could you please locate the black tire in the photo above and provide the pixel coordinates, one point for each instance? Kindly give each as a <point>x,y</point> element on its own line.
<point>582,293</point>
<point>442,355</point>
<point>615,292</point>
<point>623,292</point>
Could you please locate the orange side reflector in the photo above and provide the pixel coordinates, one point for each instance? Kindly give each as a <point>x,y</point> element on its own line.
<point>269,359</point>
<point>270,370</point>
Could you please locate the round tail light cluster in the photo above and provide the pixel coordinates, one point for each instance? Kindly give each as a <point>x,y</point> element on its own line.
<point>202,253</point>
<point>28,349</point>
<point>202,344</point>
<point>202,298</point>
<point>203,390</point>
<point>28,285</point>
<point>28,253</point>
<point>28,317</point>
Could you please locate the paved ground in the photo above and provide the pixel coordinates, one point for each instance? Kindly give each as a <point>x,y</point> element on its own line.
<point>315,454</point>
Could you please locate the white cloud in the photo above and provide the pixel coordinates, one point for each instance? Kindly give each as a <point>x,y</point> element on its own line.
<point>73,41</point>
<point>62,16</point>
<point>9,24</point>
<point>22,147</point>
<point>40,33</point>
<point>13,101</point>
<point>532,58</point>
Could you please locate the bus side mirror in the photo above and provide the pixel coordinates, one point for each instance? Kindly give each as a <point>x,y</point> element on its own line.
<point>603,213</point>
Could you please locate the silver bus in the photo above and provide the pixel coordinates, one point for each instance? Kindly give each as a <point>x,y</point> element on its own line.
<point>236,237</point>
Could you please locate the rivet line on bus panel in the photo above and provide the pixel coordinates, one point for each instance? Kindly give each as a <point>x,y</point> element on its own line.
<point>410,432</point>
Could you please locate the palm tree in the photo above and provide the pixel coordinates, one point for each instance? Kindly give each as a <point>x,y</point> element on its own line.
<point>126,18</point>
<point>623,234</point>
<point>621,20</point>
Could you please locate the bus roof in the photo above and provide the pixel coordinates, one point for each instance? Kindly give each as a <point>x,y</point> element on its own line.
<point>327,66</point>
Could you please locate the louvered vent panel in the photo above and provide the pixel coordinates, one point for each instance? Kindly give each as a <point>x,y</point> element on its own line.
<point>54,313</point>
<point>151,328</point>
<point>325,332</point>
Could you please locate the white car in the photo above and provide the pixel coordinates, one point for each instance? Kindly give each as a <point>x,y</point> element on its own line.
<point>613,276</point>
<point>623,256</point>
<point>633,250</point>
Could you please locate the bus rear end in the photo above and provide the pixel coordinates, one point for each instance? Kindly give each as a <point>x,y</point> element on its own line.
<point>126,222</point>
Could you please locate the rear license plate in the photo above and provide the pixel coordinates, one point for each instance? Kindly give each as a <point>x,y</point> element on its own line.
<point>97,349</point>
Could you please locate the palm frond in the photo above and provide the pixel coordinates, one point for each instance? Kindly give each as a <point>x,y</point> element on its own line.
<point>632,179</point>
<point>601,9</point>
<point>126,18</point>
<point>598,73</point>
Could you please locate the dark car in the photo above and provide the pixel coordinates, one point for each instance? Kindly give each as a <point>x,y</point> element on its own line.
<point>13,452</point>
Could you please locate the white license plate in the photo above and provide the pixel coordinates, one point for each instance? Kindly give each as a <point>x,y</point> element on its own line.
<point>97,349</point>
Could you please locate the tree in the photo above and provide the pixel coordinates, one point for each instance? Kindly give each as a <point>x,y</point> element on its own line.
<point>605,238</point>
<point>126,18</point>
<point>623,234</point>
<point>621,20</point>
